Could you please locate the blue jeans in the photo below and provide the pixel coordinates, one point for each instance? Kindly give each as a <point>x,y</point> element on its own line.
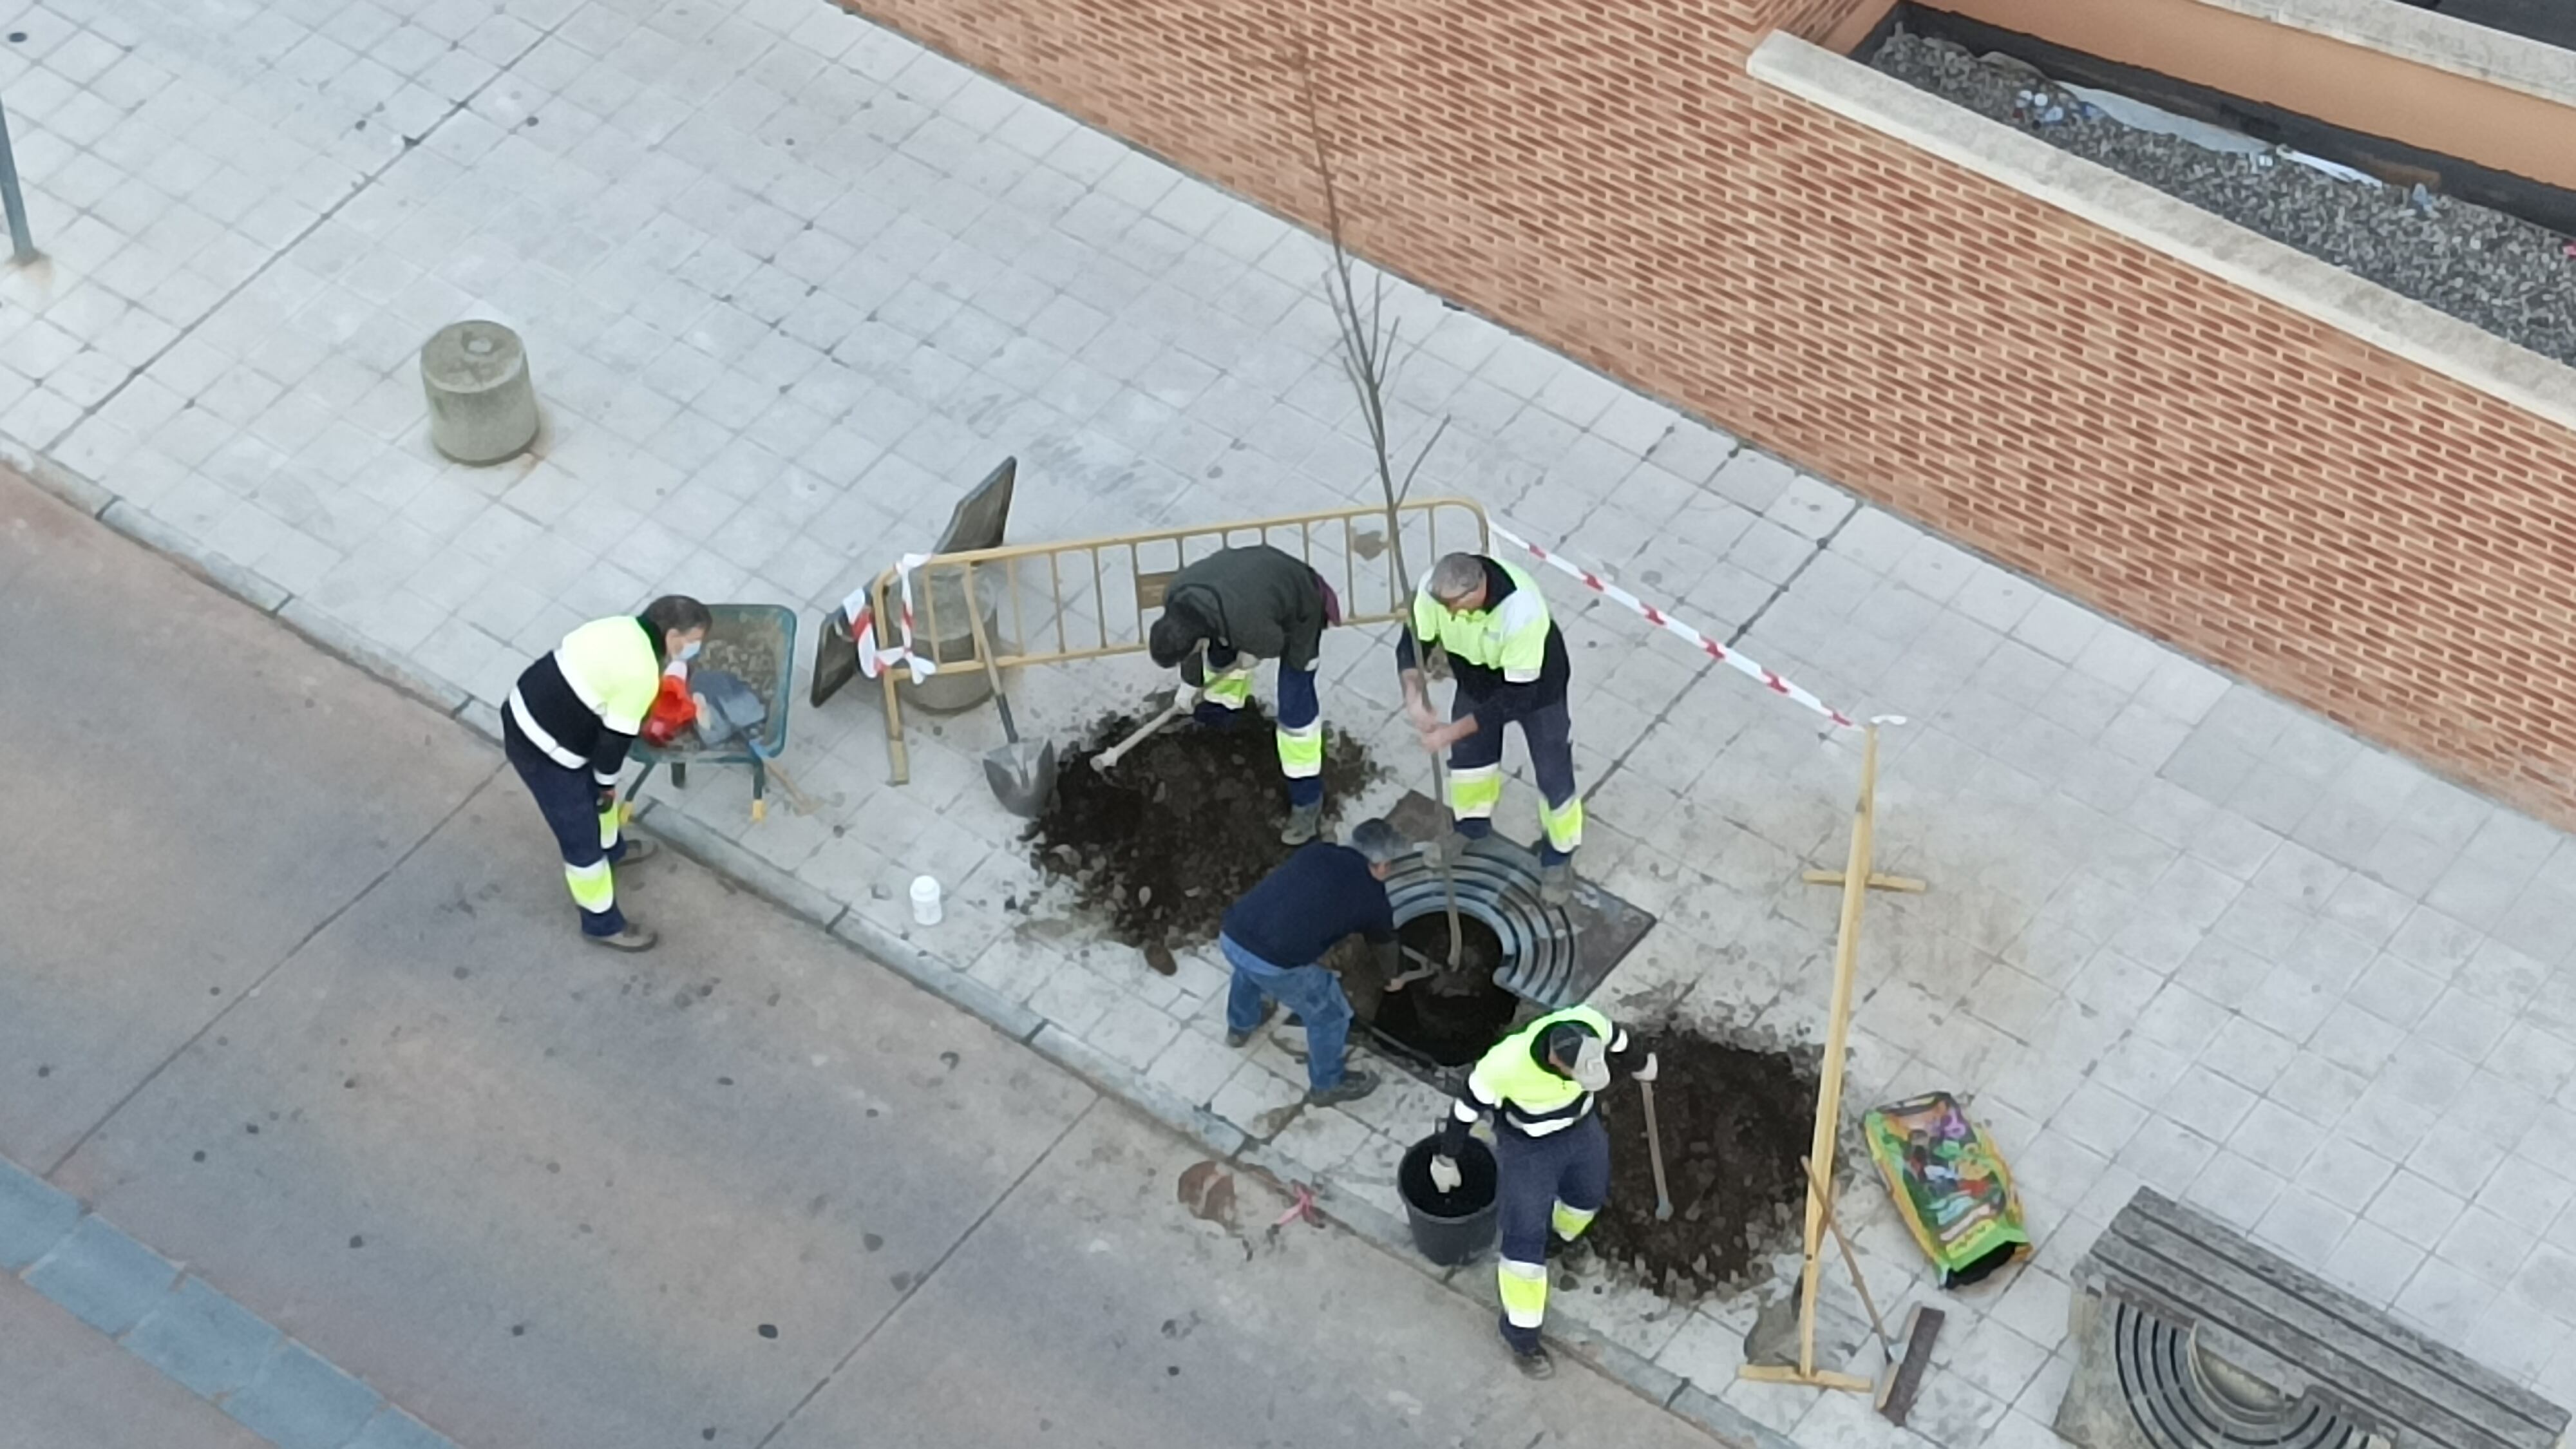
<point>1310,991</point>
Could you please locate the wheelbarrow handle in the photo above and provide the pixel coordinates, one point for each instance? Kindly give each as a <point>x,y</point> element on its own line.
<point>804,804</point>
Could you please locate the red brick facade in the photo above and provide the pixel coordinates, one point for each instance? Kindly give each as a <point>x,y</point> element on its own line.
<point>2331,522</point>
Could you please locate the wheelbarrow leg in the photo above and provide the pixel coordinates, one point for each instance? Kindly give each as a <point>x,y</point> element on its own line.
<point>679,774</point>
<point>759,787</point>
<point>626,807</point>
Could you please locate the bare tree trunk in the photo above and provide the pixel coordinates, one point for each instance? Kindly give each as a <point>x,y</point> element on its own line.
<point>1367,347</point>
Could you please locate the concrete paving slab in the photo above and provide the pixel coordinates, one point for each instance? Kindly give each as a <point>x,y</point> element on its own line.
<point>1089,1309</point>
<point>539,1193</point>
<point>34,1216</point>
<point>64,1387</point>
<point>204,1340</point>
<point>103,1277</point>
<point>160,741</point>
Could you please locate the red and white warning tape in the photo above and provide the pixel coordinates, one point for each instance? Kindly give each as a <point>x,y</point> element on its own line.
<point>1675,627</point>
<point>861,613</point>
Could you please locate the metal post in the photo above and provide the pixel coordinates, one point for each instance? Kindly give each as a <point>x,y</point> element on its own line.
<point>22,247</point>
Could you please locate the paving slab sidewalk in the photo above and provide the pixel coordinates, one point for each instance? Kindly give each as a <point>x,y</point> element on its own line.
<point>791,281</point>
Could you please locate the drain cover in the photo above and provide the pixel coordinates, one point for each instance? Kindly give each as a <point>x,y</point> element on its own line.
<point>1552,955</point>
<point>2184,1399</point>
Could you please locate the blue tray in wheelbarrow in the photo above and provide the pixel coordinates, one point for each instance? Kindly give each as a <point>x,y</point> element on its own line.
<point>757,643</point>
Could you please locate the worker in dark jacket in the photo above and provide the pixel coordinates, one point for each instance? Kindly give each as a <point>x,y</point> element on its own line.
<point>566,729</point>
<point>1508,656</point>
<point>1551,1150</point>
<point>1248,604</point>
<point>1275,936</point>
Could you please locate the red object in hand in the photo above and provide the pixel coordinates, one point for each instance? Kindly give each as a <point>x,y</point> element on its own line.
<point>673,711</point>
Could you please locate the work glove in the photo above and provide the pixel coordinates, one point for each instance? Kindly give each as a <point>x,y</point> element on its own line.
<point>1646,1073</point>
<point>1445,1175</point>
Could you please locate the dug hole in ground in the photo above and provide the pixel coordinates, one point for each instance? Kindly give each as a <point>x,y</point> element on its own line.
<point>1154,850</point>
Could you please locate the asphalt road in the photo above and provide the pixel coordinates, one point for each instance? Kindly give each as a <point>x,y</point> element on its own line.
<point>289,989</point>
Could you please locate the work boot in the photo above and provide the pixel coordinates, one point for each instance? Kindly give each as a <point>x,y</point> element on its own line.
<point>1534,1364</point>
<point>1238,1038</point>
<point>639,848</point>
<point>1556,883</point>
<point>633,938</point>
<point>1573,1255</point>
<point>1356,1083</point>
<point>1305,822</point>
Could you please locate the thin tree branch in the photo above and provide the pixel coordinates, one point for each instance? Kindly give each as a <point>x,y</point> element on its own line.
<point>1419,459</point>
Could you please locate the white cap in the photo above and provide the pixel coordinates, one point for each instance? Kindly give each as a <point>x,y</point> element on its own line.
<point>1591,1065</point>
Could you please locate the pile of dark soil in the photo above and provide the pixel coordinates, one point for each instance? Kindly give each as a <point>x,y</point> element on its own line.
<point>1451,1017</point>
<point>1736,1122</point>
<point>1187,822</point>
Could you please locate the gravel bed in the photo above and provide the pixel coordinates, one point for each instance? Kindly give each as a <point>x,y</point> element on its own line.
<point>2493,271</point>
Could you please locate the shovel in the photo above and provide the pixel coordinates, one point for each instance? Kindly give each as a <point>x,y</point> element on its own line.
<point>1022,774</point>
<point>1655,1155</point>
<point>1182,702</point>
<point>728,710</point>
<point>1179,702</point>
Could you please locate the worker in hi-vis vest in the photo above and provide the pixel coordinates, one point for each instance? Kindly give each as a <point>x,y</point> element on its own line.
<point>1551,1152</point>
<point>566,729</point>
<point>1508,657</point>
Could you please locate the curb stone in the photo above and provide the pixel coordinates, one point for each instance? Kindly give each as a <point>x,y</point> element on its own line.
<point>189,1331</point>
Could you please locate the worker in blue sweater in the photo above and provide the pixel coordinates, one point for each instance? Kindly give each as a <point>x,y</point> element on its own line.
<point>1275,936</point>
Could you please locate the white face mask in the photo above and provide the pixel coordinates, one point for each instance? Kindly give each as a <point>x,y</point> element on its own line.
<point>689,650</point>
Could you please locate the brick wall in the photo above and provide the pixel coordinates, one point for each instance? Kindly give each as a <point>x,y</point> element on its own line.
<point>2333,523</point>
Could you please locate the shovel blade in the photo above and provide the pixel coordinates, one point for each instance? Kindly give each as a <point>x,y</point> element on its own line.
<point>1022,776</point>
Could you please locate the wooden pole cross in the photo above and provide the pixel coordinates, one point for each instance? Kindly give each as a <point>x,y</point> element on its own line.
<point>1857,881</point>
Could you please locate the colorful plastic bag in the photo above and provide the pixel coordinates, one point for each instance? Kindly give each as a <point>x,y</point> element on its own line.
<point>1950,1184</point>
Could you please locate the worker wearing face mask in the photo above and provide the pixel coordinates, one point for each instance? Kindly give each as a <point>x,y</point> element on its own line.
<point>566,729</point>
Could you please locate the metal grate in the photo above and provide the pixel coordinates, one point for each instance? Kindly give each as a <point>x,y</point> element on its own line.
<point>2184,1401</point>
<point>1553,956</point>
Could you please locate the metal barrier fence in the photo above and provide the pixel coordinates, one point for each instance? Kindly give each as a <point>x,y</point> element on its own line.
<point>1049,603</point>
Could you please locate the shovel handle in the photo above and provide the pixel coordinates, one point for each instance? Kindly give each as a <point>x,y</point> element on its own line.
<point>1112,755</point>
<point>992,666</point>
<point>1655,1155</point>
<point>804,803</point>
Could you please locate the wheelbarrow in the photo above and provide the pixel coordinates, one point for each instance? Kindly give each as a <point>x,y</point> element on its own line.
<point>757,644</point>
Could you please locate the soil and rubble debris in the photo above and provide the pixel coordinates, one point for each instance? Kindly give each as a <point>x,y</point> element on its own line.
<point>1158,846</point>
<point>1737,1120</point>
<point>2496,272</point>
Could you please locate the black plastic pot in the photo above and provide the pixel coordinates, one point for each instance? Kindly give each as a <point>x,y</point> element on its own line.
<point>1449,1228</point>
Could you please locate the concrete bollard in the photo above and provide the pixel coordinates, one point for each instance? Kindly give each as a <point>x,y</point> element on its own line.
<point>942,631</point>
<point>482,407</point>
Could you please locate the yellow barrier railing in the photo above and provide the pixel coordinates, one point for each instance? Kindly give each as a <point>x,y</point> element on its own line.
<point>1092,598</point>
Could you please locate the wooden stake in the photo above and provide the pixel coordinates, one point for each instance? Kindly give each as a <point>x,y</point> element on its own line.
<point>1829,1091</point>
<point>1763,1373</point>
<point>1851,1260</point>
<point>1905,883</point>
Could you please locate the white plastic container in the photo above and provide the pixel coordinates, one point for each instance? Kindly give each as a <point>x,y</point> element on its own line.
<point>925,900</point>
